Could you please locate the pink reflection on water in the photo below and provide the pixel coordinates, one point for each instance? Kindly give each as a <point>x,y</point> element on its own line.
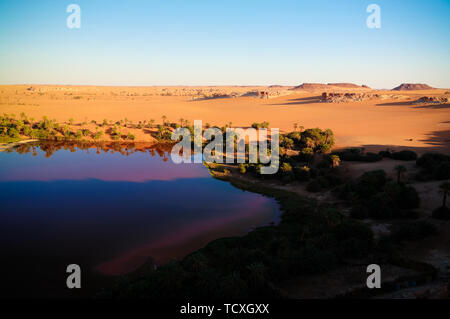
<point>242,217</point>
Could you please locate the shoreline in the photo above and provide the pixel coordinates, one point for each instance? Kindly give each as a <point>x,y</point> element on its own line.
<point>5,146</point>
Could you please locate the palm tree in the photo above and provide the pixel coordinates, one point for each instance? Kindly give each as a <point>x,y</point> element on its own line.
<point>295,126</point>
<point>164,118</point>
<point>400,169</point>
<point>444,189</point>
<point>181,121</point>
<point>335,160</point>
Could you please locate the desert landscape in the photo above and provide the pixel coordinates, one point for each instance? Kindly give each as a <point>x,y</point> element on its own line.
<point>412,116</point>
<point>334,137</point>
<point>205,156</point>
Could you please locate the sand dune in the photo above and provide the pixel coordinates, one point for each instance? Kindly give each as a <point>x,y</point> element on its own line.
<point>389,120</point>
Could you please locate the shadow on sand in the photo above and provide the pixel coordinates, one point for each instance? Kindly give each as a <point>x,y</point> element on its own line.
<point>303,100</point>
<point>416,106</point>
<point>436,141</point>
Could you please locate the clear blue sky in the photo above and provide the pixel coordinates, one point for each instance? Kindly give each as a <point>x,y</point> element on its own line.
<point>242,42</point>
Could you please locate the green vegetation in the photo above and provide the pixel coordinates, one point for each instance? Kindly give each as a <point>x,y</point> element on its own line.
<point>7,139</point>
<point>310,239</point>
<point>298,151</point>
<point>404,155</point>
<point>358,155</point>
<point>260,125</point>
<point>433,166</point>
<point>373,195</point>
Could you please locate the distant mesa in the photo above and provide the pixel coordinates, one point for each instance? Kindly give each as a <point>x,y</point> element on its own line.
<point>275,86</point>
<point>348,85</point>
<point>310,86</point>
<point>412,87</point>
<point>319,86</point>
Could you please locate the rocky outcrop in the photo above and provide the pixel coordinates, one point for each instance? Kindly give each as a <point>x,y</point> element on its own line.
<point>320,86</point>
<point>348,85</point>
<point>310,86</point>
<point>431,100</point>
<point>412,87</point>
<point>346,97</point>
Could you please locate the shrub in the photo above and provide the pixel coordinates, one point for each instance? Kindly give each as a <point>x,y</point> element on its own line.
<point>371,183</point>
<point>413,230</point>
<point>433,166</point>
<point>357,155</point>
<point>405,197</point>
<point>431,159</point>
<point>405,155</point>
<point>355,239</point>
<point>98,135</point>
<point>13,132</point>
<point>286,168</point>
<point>302,173</point>
<point>79,134</point>
<point>257,125</point>
<point>306,154</point>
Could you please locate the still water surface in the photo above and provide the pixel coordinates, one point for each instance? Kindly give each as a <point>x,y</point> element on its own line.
<point>109,209</point>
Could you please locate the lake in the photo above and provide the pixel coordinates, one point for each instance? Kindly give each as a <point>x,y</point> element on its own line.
<point>110,209</point>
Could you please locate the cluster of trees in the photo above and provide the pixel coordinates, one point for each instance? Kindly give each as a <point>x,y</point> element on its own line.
<point>308,142</point>
<point>310,239</point>
<point>298,151</point>
<point>12,129</point>
<point>433,166</point>
<point>359,155</point>
<point>404,155</point>
<point>374,195</point>
<point>257,125</point>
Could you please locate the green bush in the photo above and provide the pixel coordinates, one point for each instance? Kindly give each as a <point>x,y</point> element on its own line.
<point>405,155</point>
<point>357,155</point>
<point>413,230</point>
<point>370,183</point>
<point>302,173</point>
<point>433,166</point>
